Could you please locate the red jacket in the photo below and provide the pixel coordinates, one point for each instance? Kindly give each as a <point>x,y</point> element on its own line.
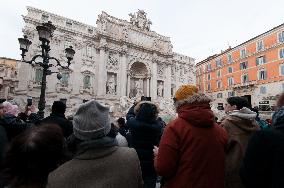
<point>192,150</point>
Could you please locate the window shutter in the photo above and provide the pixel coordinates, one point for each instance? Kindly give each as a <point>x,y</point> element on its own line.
<point>280,37</point>
<point>263,57</point>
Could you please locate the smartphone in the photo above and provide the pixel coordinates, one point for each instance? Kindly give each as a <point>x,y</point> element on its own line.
<point>143,98</point>
<point>29,101</point>
<point>63,100</point>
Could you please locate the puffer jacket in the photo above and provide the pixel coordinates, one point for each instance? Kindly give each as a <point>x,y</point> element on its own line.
<point>145,132</point>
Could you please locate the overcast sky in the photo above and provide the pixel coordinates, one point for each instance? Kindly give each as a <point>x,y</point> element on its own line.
<point>197,28</point>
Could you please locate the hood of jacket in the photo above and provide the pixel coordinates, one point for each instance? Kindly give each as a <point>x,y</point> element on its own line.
<point>199,114</point>
<point>146,111</point>
<point>244,113</point>
<point>244,119</point>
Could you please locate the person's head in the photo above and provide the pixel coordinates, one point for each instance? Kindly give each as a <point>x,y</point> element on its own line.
<point>146,111</point>
<point>280,100</point>
<point>32,155</point>
<point>58,107</point>
<point>121,121</point>
<point>189,94</point>
<point>235,103</point>
<point>91,121</point>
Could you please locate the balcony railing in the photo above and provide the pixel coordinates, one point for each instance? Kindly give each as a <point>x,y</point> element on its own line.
<point>246,84</point>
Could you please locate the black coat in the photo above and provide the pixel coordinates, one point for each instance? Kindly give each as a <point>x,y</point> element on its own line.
<point>13,125</point>
<point>263,164</point>
<point>145,134</point>
<point>3,142</point>
<point>59,119</point>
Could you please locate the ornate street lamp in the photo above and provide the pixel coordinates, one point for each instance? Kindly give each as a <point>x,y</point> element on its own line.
<point>45,32</point>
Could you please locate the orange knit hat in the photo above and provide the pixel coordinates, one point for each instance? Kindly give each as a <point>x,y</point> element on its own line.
<point>184,91</point>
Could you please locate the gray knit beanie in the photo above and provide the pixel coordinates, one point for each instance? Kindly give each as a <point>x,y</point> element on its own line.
<point>91,121</point>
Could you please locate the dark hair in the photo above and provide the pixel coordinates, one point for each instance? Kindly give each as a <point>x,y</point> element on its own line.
<point>121,121</point>
<point>32,155</point>
<point>2,100</point>
<point>240,102</point>
<point>280,100</point>
<point>148,112</point>
<point>58,107</point>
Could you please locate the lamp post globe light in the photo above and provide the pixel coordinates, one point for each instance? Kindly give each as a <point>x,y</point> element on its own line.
<point>45,32</point>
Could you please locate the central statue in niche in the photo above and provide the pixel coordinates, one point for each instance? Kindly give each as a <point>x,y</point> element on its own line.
<point>137,78</point>
<point>139,88</point>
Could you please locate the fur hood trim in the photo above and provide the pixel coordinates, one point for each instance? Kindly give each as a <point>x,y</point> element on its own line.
<point>137,107</point>
<point>244,113</point>
<point>195,98</point>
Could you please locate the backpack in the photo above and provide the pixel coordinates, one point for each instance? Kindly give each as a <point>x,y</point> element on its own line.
<point>262,124</point>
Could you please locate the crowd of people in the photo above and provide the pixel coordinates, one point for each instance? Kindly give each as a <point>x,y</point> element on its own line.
<point>140,149</point>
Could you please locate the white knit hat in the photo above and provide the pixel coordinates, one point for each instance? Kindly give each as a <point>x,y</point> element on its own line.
<point>91,121</point>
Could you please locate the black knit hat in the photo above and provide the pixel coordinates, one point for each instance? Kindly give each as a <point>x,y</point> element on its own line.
<point>58,107</point>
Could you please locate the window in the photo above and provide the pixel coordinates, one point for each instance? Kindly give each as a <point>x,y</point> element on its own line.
<point>69,24</point>
<point>208,67</point>
<point>219,95</point>
<point>281,67</point>
<point>219,84</point>
<point>230,69</point>
<point>89,51</point>
<point>218,63</point>
<point>281,53</point>
<point>38,75</point>
<point>229,58</point>
<point>281,36</point>
<point>243,65</point>
<point>244,78</point>
<point>260,60</point>
<point>65,79</point>
<point>262,89</point>
<point>199,71</point>
<point>262,75</point>
<point>208,86</point>
<point>90,31</point>
<point>67,44</point>
<point>44,17</point>
<point>218,73</point>
<point>87,82</point>
<point>231,94</point>
<point>230,81</point>
<point>208,77</point>
<point>259,46</point>
<point>243,53</point>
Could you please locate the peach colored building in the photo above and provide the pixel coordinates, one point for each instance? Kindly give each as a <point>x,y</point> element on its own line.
<point>253,69</point>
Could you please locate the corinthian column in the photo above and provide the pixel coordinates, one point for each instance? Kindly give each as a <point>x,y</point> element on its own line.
<point>123,72</point>
<point>167,84</point>
<point>102,73</point>
<point>154,81</point>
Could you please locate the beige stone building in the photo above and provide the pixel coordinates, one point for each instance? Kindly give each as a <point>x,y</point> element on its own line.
<point>8,77</point>
<point>116,61</point>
